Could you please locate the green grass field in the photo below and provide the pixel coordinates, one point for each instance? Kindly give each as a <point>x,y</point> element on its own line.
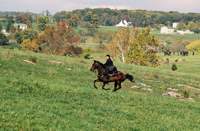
<point>50,96</point>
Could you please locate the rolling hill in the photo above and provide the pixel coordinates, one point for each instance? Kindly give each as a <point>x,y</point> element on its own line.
<point>57,93</point>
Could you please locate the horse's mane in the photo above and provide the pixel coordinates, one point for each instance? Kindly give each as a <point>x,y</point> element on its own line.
<point>101,64</point>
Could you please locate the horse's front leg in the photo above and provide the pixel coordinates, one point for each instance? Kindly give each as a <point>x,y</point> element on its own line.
<point>95,82</point>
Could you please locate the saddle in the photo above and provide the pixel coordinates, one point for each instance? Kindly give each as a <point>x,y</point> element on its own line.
<point>114,74</point>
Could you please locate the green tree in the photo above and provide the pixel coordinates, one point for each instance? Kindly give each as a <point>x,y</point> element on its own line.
<point>19,19</point>
<point>74,20</point>
<point>68,15</point>
<point>181,25</point>
<point>29,24</point>
<point>10,22</point>
<point>1,27</point>
<point>138,52</point>
<point>42,22</point>
<point>191,26</point>
<point>95,20</point>
<point>3,37</point>
<point>25,34</point>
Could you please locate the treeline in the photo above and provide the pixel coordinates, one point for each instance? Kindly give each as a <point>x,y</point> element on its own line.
<point>14,13</point>
<point>139,18</point>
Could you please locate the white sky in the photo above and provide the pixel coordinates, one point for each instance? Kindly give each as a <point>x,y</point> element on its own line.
<point>36,6</point>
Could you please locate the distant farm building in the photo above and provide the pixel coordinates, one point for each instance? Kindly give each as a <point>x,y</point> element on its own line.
<point>184,31</point>
<point>4,32</point>
<point>124,24</point>
<point>21,26</point>
<point>175,25</point>
<point>167,30</point>
<point>63,24</point>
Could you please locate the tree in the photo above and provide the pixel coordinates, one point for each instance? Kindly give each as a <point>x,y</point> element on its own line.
<point>42,22</point>
<point>88,16</point>
<point>20,36</point>
<point>74,20</point>
<point>10,22</point>
<point>29,24</point>
<point>3,37</point>
<point>68,15</point>
<point>25,18</point>
<point>177,45</point>
<point>138,52</point>
<point>47,13</point>
<point>95,20</point>
<point>119,44</point>
<point>28,45</point>
<point>191,26</point>
<point>1,27</point>
<point>181,25</point>
<point>194,46</point>
<point>19,19</point>
<point>58,41</point>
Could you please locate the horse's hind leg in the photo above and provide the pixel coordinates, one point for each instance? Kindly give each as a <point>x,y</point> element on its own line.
<point>117,83</point>
<point>104,86</point>
<point>115,86</point>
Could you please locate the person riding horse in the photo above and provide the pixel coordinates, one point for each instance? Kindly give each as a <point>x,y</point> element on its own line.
<point>110,68</point>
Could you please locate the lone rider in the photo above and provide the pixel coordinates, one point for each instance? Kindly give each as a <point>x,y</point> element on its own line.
<point>108,65</point>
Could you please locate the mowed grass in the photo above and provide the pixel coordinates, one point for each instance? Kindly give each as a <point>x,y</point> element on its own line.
<point>61,96</point>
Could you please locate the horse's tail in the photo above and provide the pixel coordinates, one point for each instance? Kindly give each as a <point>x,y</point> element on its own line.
<point>129,77</point>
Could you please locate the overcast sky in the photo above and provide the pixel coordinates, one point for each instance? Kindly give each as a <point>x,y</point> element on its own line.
<point>36,6</point>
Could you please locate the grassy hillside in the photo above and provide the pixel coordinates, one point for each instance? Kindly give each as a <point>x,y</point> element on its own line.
<point>61,96</point>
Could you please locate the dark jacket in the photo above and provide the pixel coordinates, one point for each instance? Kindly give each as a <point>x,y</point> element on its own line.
<point>108,63</point>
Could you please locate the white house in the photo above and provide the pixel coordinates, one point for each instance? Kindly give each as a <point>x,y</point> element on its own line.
<point>175,25</point>
<point>184,31</point>
<point>21,26</point>
<point>124,24</point>
<point>167,30</point>
<point>4,32</point>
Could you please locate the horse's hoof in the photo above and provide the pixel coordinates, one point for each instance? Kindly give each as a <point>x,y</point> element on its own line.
<point>113,90</point>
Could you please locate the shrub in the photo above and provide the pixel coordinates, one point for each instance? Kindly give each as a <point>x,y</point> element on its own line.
<point>186,94</point>
<point>174,67</point>
<point>87,52</point>
<point>167,61</point>
<point>176,60</point>
<point>155,76</point>
<point>163,88</point>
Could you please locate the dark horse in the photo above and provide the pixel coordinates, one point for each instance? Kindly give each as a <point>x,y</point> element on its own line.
<point>117,79</point>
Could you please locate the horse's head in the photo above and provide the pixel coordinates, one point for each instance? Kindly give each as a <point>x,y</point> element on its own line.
<point>94,65</point>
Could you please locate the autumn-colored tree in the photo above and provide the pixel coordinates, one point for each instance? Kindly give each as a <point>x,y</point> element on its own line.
<point>58,41</point>
<point>138,52</point>
<point>25,18</point>
<point>119,44</point>
<point>28,45</point>
<point>194,46</point>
